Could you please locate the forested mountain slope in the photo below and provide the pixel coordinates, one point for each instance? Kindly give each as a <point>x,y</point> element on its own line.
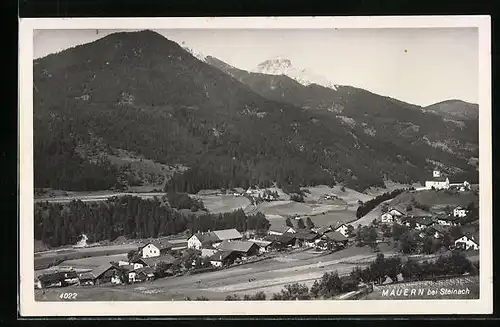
<point>143,93</point>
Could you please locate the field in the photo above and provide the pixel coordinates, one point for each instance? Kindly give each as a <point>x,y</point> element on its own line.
<point>270,275</point>
<point>93,262</point>
<point>441,289</point>
<point>437,198</point>
<point>224,203</point>
<point>43,260</point>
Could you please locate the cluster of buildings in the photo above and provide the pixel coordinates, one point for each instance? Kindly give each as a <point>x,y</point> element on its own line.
<point>440,182</point>
<point>139,268</point>
<point>421,220</point>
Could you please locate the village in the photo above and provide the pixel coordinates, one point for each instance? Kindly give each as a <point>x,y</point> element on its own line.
<point>430,230</point>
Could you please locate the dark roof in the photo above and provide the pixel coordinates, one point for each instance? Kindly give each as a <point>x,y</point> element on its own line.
<point>416,212</point>
<point>167,258</point>
<point>336,236</point>
<point>86,276</point>
<point>439,179</point>
<point>221,255</point>
<point>161,244</point>
<point>97,272</point>
<point>238,246</point>
<point>448,218</point>
<point>440,229</point>
<point>145,270</point>
<point>424,221</point>
<point>57,276</point>
<point>306,235</point>
<point>285,238</point>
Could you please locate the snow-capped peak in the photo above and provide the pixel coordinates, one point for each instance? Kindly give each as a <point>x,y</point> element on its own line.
<point>198,55</point>
<point>283,66</point>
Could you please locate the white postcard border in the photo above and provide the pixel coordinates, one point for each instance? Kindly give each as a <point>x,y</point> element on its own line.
<point>28,305</point>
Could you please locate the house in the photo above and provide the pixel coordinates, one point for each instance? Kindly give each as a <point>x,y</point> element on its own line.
<point>448,220</point>
<point>242,248</point>
<point>106,273</point>
<point>468,241</point>
<point>343,229</point>
<point>154,249</point>
<point>387,218</point>
<point>459,212</point>
<point>461,186</point>
<point>283,241</point>
<point>264,246</point>
<point>144,274</point>
<point>280,230</point>
<point>305,237</point>
<point>228,235</point>
<point>198,240</point>
<point>321,230</point>
<point>86,278</point>
<point>223,258</point>
<point>421,223</point>
<point>336,238</point>
<point>58,279</point>
<point>153,262</point>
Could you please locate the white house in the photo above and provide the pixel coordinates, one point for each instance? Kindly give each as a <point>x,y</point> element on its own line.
<point>438,182</point>
<point>467,242</point>
<point>448,220</point>
<point>459,212</point>
<point>198,240</point>
<point>387,218</point>
<point>343,229</point>
<point>149,251</point>
<point>395,212</point>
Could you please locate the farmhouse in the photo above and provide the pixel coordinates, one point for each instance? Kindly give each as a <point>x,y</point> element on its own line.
<point>281,241</point>
<point>59,278</point>
<point>86,278</point>
<point>306,238</point>
<point>223,258</point>
<point>343,229</point>
<point>242,248</point>
<point>154,249</point>
<point>387,218</point>
<point>144,274</point>
<point>335,237</point>
<point>448,220</point>
<point>321,230</point>
<point>264,246</point>
<point>468,242</point>
<point>166,259</point>
<point>461,186</point>
<point>459,212</point>
<point>199,240</point>
<point>422,223</point>
<point>106,273</point>
<point>280,230</point>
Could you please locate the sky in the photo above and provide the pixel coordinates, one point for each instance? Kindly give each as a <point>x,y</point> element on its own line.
<point>421,66</point>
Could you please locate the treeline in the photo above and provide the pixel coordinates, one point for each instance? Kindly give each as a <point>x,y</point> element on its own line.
<point>369,205</point>
<point>184,201</point>
<point>331,284</point>
<point>445,265</point>
<point>133,217</point>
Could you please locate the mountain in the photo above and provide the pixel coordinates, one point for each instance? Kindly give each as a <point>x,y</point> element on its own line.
<point>283,66</point>
<point>140,93</point>
<point>455,109</point>
<point>398,126</point>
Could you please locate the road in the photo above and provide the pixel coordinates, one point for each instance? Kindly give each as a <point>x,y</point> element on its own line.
<point>96,197</point>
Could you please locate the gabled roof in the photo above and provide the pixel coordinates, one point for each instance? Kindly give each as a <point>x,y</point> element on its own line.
<point>261,243</point>
<point>472,236</point>
<point>424,221</point>
<point>145,270</point>
<point>97,272</point>
<point>280,229</point>
<point>206,237</point>
<point>285,238</point>
<point>306,235</point>
<point>161,244</point>
<point>237,246</point>
<point>227,234</point>
<point>220,256</point>
<point>86,276</point>
<point>448,218</point>
<point>336,236</point>
<point>167,258</point>
<point>440,229</point>
<point>459,208</point>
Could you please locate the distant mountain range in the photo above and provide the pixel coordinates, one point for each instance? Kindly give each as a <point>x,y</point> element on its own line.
<point>147,95</point>
<point>455,109</point>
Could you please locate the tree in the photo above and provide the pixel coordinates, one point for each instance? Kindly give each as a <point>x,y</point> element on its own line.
<point>294,291</point>
<point>428,245</point>
<point>456,232</point>
<point>300,224</point>
<point>288,222</point>
<point>385,207</point>
<point>131,255</point>
<point>350,230</point>
<point>407,243</point>
<point>309,223</point>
